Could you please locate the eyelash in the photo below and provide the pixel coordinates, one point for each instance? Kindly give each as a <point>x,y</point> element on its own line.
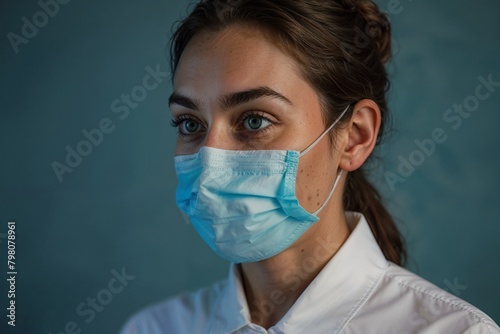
<point>177,121</point>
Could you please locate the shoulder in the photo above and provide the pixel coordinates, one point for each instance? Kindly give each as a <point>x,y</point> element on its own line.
<point>417,305</point>
<point>175,315</point>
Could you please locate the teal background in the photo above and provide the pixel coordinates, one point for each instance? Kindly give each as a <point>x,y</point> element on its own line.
<point>116,209</point>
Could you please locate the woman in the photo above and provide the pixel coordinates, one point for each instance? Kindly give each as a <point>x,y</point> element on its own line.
<point>278,105</point>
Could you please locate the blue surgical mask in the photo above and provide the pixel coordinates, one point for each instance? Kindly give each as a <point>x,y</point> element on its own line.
<point>243,203</point>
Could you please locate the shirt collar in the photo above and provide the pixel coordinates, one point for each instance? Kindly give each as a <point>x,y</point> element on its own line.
<point>231,311</point>
<point>332,298</point>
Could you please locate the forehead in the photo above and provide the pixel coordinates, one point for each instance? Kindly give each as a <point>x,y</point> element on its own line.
<point>236,57</point>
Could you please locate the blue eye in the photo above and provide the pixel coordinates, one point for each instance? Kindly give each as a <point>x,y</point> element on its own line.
<point>187,126</point>
<point>255,123</point>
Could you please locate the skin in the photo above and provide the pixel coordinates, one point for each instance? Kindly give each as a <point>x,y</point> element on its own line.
<point>239,58</point>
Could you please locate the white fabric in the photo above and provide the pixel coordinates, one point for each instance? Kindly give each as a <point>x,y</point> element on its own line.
<point>358,291</point>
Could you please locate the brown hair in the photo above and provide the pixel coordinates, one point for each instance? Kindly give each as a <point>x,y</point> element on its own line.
<point>341,47</point>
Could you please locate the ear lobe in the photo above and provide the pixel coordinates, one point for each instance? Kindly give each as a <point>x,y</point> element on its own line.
<point>362,134</point>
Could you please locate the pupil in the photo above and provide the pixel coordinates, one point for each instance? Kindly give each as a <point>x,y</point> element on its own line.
<point>191,126</point>
<point>254,123</point>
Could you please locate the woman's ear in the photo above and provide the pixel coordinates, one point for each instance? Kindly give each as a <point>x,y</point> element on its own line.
<point>362,131</point>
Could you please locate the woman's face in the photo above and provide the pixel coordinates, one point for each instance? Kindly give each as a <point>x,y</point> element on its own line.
<point>235,90</point>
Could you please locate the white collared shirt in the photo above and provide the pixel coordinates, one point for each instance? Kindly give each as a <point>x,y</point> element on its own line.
<point>358,291</point>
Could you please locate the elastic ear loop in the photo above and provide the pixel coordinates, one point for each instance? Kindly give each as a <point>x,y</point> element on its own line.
<point>308,148</point>
<point>337,179</point>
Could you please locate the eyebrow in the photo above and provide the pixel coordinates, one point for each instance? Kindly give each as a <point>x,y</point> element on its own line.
<point>231,100</point>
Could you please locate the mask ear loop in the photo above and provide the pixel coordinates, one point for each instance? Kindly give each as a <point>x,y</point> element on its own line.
<point>337,179</point>
<point>308,148</point>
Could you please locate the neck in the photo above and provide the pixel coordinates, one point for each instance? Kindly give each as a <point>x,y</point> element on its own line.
<point>272,286</point>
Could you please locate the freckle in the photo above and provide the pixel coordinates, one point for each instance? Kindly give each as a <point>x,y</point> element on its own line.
<point>302,250</point>
<point>318,203</point>
<point>309,198</point>
<point>307,174</point>
<point>317,195</point>
<point>302,171</point>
